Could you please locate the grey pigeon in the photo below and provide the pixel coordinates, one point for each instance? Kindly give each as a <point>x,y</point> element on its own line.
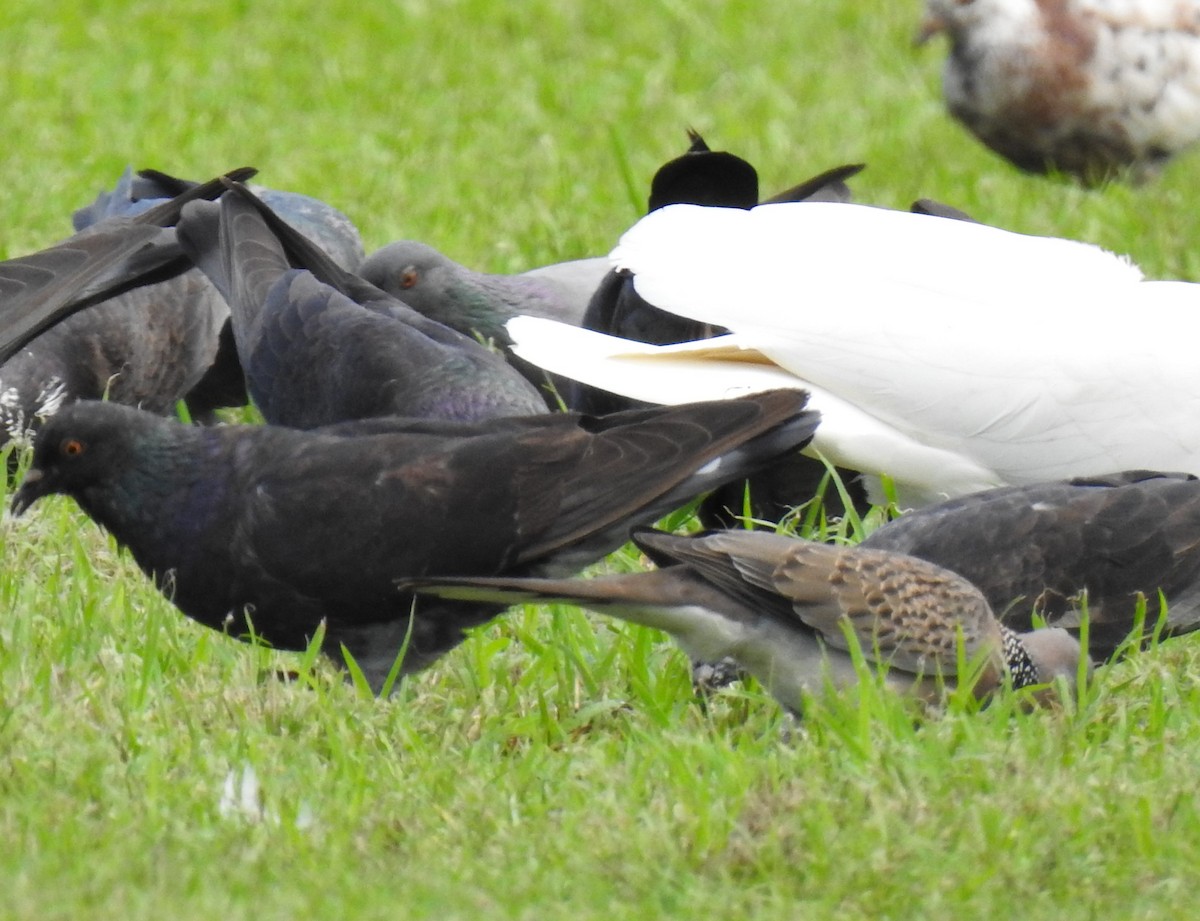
<point>222,383</point>
<point>576,280</point>
<point>320,222</point>
<point>1041,548</point>
<point>1097,89</point>
<point>471,302</point>
<point>782,607</point>
<point>320,345</point>
<point>477,304</point>
<point>280,530</point>
<point>79,323</point>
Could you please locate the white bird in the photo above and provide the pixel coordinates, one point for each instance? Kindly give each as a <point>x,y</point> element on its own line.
<point>1087,87</point>
<point>950,356</point>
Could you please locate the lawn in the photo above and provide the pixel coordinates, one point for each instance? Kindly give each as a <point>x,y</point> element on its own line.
<point>557,765</point>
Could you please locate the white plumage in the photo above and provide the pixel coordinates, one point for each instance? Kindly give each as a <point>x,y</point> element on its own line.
<point>951,356</point>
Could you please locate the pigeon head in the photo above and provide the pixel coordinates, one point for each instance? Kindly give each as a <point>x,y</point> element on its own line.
<point>440,288</point>
<point>1042,656</point>
<point>83,449</point>
<point>408,270</point>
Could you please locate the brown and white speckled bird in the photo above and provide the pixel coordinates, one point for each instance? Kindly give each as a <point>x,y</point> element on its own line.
<point>1094,88</point>
<point>781,607</point>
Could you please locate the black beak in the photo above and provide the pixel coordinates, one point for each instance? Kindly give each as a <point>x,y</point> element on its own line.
<point>32,489</point>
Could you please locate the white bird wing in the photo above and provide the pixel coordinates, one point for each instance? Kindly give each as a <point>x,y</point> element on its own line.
<point>723,264</point>
<point>949,355</point>
<point>1033,357</point>
<point>722,368</point>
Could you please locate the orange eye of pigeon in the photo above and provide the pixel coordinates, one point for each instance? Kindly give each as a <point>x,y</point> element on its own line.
<point>72,447</point>
<point>409,277</point>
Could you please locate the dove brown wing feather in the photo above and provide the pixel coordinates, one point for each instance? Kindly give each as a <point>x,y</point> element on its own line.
<point>908,610</point>
<point>911,611</point>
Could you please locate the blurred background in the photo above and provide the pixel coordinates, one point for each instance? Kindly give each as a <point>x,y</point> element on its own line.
<point>509,135</point>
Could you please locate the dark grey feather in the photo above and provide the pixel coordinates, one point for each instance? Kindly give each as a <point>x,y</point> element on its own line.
<point>1041,548</point>
<point>320,345</point>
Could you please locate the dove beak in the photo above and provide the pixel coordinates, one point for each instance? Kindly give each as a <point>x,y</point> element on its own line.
<point>930,26</point>
<point>32,489</point>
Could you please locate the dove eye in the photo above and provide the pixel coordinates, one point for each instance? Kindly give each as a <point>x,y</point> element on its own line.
<point>409,277</point>
<point>72,447</point>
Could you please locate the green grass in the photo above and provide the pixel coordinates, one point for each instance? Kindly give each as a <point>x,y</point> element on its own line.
<point>556,765</point>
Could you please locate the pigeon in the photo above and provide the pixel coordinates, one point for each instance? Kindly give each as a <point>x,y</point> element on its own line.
<point>703,176</point>
<point>700,177</point>
<point>1041,549</point>
<point>320,345</point>
<point>321,223</point>
<point>478,305</point>
<point>1096,89</point>
<point>576,279</point>
<point>277,531</point>
<point>222,383</point>
<point>473,303</point>
<point>43,288</point>
<point>782,608</point>
<point>79,323</point>
<point>948,355</point>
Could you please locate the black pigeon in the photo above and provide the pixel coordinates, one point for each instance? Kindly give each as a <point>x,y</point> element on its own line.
<point>280,530</point>
<point>320,345</point>
<point>782,608</point>
<point>40,289</point>
<point>1040,548</point>
<point>78,324</point>
<point>706,177</point>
